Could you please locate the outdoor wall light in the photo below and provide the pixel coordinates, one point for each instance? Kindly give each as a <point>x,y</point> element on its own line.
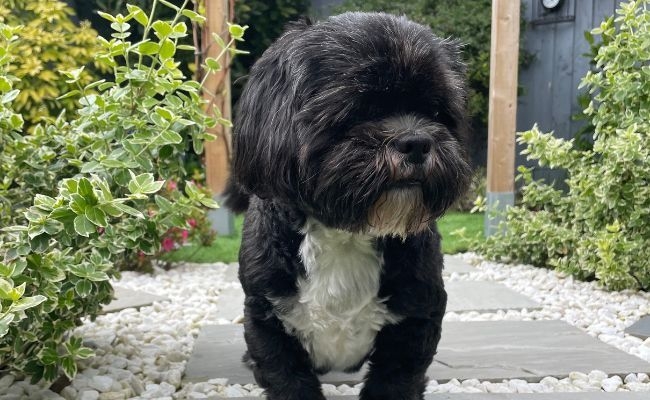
<point>551,4</point>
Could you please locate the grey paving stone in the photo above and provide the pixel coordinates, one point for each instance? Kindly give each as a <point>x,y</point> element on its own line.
<point>230,273</point>
<point>512,396</point>
<point>491,350</point>
<point>640,328</point>
<point>456,264</point>
<point>230,304</point>
<point>127,298</point>
<point>484,296</point>
<point>462,296</point>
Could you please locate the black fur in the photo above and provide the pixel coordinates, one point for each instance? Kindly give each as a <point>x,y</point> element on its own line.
<point>315,138</point>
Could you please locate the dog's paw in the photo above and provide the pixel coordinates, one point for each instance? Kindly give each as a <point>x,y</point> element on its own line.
<point>389,392</point>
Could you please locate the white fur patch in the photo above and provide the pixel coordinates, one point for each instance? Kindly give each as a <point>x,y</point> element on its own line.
<point>398,213</point>
<point>337,314</point>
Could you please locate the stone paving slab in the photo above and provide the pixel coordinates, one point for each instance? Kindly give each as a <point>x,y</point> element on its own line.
<point>127,298</point>
<point>640,328</point>
<point>511,396</point>
<point>452,264</point>
<point>457,265</point>
<point>462,296</point>
<point>485,296</point>
<point>230,303</point>
<point>486,350</point>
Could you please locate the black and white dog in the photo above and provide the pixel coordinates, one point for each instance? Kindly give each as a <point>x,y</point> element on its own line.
<point>348,144</point>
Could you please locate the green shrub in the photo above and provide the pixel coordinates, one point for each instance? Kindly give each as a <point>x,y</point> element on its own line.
<point>82,194</point>
<point>50,42</point>
<point>466,20</point>
<point>598,229</point>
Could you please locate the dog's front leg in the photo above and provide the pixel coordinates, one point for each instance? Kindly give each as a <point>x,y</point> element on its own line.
<point>279,362</point>
<point>401,357</point>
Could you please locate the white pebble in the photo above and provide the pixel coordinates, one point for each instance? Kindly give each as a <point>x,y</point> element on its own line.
<point>89,395</point>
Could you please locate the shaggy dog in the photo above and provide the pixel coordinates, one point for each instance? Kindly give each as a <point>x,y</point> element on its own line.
<point>348,144</point>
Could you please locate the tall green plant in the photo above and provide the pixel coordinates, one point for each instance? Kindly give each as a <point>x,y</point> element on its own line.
<point>50,41</point>
<point>600,227</point>
<point>84,192</point>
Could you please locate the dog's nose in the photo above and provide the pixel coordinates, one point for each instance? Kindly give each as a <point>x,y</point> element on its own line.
<point>416,147</point>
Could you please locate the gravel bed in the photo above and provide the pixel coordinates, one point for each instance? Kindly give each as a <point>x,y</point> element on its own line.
<point>142,354</point>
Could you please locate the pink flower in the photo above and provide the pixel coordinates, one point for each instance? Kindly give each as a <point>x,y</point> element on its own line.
<point>185,234</point>
<point>171,185</point>
<point>192,222</point>
<point>168,244</point>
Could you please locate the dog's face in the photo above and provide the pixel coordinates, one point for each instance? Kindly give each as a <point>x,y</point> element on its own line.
<point>359,121</point>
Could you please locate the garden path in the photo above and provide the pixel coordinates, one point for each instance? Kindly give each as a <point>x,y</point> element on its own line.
<point>483,350</point>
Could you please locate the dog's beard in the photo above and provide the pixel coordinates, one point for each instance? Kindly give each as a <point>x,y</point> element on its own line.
<point>399,212</point>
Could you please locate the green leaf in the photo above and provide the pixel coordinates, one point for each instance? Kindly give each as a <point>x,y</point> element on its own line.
<point>138,182</point>
<point>27,302</point>
<point>83,287</point>
<point>97,276</point>
<point>5,84</point>
<point>128,210</point>
<point>69,94</point>
<point>106,16</point>
<point>40,243</point>
<point>165,113</point>
<point>185,47</point>
<point>110,209</point>
<point>78,204</point>
<point>148,48</point>
<point>209,202</point>
<point>212,64</point>
<point>194,17</point>
<point>84,353</point>
<point>5,288</point>
<point>48,355</point>
<point>164,204</point>
<point>237,31</point>
<point>83,226</point>
<point>85,189</point>
<point>162,29</point>
<point>52,227</point>
<point>170,137</point>
<point>69,367</point>
<point>96,216</point>
<point>4,323</point>
<point>42,200</point>
<point>138,14</point>
<point>167,49</point>
<point>9,96</point>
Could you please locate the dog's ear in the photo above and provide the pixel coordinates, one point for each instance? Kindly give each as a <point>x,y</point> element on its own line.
<point>453,49</point>
<point>265,144</point>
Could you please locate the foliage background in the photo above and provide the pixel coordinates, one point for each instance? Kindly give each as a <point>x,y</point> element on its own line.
<point>50,41</point>
<point>84,192</point>
<point>598,228</point>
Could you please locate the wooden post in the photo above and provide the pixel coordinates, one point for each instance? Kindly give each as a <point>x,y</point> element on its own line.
<point>504,61</point>
<point>217,93</point>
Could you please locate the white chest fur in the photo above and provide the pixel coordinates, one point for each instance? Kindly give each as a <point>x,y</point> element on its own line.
<point>337,312</point>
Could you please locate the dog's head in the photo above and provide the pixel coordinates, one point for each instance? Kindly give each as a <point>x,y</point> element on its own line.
<point>359,121</point>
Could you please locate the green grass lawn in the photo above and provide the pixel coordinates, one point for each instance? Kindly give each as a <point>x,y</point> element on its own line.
<point>226,248</point>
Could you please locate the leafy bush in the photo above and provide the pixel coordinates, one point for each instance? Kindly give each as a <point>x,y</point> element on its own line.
<point>95,180</point>
<point>599,228</point>
<point>466,20</point>
<point>50,42</point>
